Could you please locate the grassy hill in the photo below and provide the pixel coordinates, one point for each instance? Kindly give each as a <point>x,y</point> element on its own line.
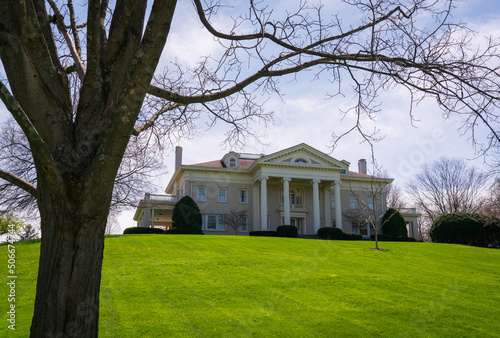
<point>226,286</point>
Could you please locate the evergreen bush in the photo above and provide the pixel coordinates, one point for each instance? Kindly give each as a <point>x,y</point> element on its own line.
<point>382,237</point>
<point>287,231</point>
<point>263,233</point>
<point>330,233</point>
<point>406,239</point>
<point>186,214</point>
<point>466,228</point>
<point>394,224</point>
<point>141,230</point>
<point>184,231</point>
<point>352,237</point>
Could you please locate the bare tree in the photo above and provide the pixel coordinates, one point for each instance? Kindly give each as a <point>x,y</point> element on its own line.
<point>15,157</point>
<point>234,217</point>
<point>370,196</point>
<point>140,165</point>
<point>78,104</point>
<point>395,197</point>
<point>112,225</point>
<point>491,205</point>
<point>28,232</point>
<point>447,185</point>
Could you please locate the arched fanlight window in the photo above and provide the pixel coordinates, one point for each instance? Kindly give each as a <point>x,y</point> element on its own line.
<point>300,160</point>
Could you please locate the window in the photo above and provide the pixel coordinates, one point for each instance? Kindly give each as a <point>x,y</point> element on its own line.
<point>300,160</point>
<point>244,223</point>
<point>295,198</point>
<point>371,203</point>
<point>214,222</point>
<point>222,223</point>
<point>211,222</point>
<point>243,196</point>
<point>202,194</point>
<point>296,222</point>
<point>222,194</point>
<point>332,200</point>
<point>358,228</point>
<point>232,163</point>
<point>354,202</point>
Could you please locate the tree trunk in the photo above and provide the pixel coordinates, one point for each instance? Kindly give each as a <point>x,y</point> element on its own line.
<point>69,275</point>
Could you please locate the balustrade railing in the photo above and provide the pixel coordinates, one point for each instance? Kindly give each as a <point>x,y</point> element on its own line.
<point>294,206</point>
<point>408,210</point>
<point>162,198</point>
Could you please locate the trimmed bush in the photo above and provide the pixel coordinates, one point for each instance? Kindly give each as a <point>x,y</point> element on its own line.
<point>141,230</point>
<point>330,233</point>
<point>186,214</point>
<point>263,233</point>
<point>406,239</point>
<point>466,228</point>
<point>394,224</point>
<point>287,231</point>
<point>352,237</point>
<point>387,238</point>
<point>382,237</point>
<point>185,231</point>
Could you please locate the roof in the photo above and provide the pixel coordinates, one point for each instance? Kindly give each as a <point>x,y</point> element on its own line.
<point>249,163</point>
<point>355,174</point>
<point>244,164</point>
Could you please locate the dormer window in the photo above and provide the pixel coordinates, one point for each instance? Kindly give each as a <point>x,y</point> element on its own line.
<point>231,160</point>
<point>300,160</point>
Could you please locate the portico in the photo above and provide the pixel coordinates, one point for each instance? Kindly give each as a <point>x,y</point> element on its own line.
<point>296,196</point>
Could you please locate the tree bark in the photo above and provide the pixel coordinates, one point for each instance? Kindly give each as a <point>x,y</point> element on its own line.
<point>69,275</point>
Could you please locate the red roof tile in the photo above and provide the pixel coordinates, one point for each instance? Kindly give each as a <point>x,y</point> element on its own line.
<point>244,164</point>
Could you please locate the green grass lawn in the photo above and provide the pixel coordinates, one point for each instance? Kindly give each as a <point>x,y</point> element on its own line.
<point>226,286</point>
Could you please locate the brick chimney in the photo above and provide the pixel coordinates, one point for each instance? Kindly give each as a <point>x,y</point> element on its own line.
<point>178,156</point>
<point>362,166</point>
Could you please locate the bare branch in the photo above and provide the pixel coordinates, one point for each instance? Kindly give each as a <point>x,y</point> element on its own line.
<point>75,54</point>
<point>19,182</point>
<point>35,140</point>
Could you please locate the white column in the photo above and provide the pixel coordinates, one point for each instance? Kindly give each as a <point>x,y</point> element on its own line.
<point>338,206</point>
<point>255,208</point>
<point>328,207</point>
<point>152,218</point>
<point>263,202</point>
<point>286,200</point>
<point>316,216</point>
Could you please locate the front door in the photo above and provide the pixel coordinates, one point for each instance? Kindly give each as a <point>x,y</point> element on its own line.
<point>297,222</point>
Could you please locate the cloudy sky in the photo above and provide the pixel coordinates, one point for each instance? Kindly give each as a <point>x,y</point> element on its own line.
<point>304,115</point>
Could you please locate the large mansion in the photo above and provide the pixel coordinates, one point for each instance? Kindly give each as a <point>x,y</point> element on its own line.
<point>298,186</point>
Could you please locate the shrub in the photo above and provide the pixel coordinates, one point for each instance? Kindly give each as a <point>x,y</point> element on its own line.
<point>185,231</point>
<point>263,233</point>
<point>394,224</point>
<point>330,233</point>
<point>406,239</point>
<point>141,230</point>
<point>287,231</point>
<point>352,237</point>
<point>466,228</point>
<point>186,214</point>
<point>382,237</point>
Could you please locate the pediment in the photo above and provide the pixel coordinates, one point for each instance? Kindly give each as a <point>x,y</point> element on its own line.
<point>303,155</point>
